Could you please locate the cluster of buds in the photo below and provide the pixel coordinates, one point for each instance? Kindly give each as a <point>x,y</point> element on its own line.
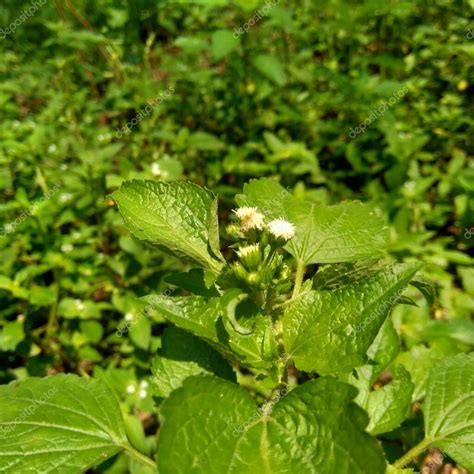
<point>259,266</point>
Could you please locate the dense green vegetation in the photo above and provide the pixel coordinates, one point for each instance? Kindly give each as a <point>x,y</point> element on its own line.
<point>336,101</point>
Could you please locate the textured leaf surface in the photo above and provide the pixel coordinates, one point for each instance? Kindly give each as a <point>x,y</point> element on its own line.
<point>212,426</point>
<point>183,355</point>
<point>330,331</point>
<point>178,217</point>
<point>449,408</point>
<point>207,318</point>
<point>59,424</point>
<point>324,234</point>
<point>388,406</point>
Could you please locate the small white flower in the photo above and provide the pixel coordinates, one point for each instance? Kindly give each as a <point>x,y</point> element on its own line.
<point>142,394</point>
<point>281,229</point>
<point>143,384</point>
<point>250,218</point>
<point>129,317</point>
<point>65,197</point>
<point>79,305</point>
<point>131,388</point>
<point>66,248</point>
<point>155,169</point>
<point>52,148</point>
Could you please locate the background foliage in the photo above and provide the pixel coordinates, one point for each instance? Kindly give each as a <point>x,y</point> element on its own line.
<point>278,100</point>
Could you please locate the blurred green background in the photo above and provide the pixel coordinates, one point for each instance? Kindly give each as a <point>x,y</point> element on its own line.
<point>239,89</point>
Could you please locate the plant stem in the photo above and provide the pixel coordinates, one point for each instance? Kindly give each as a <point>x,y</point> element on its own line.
<point>413,453</point>
<point>300,269</point>
<point>138,456</point>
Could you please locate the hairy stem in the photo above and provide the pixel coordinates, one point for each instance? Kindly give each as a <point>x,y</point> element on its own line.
<point>138,456</point>
<point>300,269</point>
<point>413,453</point>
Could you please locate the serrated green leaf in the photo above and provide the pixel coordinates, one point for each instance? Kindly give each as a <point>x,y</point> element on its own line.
<point>208,318</point>
<point>178,217</point>
<point>330,331</point>
<point>449,408</point>
<point>183,355</point>
<point>316,428</point>
<point>388,406</point>
<point>58,424</point>
<point>323,234</point>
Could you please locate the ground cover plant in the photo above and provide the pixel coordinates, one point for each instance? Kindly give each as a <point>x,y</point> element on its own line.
<point>302,346</point>
<point>334,102</point>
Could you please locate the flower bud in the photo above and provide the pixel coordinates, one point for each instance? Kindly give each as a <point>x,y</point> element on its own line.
<point>234,232</point>
<point>239,271</point>
<point>250,256</point>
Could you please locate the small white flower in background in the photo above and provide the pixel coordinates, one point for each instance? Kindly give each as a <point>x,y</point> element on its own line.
<point>66,248</point>
<point>129,317</point>
<point>52,148</point>
<point>143,384</point>
<point>250,218</point>
<point>131,388</point>
<point>142,394</point>
<point>281,229</point>
<point>79,305</point>
<point>155,169</point>
<point>65,197</point>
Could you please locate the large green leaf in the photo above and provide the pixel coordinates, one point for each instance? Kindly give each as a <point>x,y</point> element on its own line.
<point>178,217</point>
<point>314,429</point>
<point>329,331</point>
<point>324,234</point>
<point>449,408</point>
<point>58,424</point>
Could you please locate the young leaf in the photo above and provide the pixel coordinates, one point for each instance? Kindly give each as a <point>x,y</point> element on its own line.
<point>388,406</point>
<point>315,428</point>
<point>330,331</point>
<point>324,234</point>
<point>59,424</point>
<point>449,408</point>
<point>177,217</point>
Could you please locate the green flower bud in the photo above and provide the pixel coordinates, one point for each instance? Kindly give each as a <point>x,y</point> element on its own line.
<point>250,256</point>
<point>239,271</point>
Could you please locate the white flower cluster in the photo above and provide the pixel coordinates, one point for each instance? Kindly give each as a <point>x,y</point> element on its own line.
<point>251,218</point>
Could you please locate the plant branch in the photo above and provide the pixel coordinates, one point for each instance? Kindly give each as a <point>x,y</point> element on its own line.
<point>413,453</point>
<point>300,270</point>
<point>138,456</point>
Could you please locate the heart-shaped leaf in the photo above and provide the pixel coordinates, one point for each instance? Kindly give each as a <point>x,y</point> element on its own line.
<point>213,426</point>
